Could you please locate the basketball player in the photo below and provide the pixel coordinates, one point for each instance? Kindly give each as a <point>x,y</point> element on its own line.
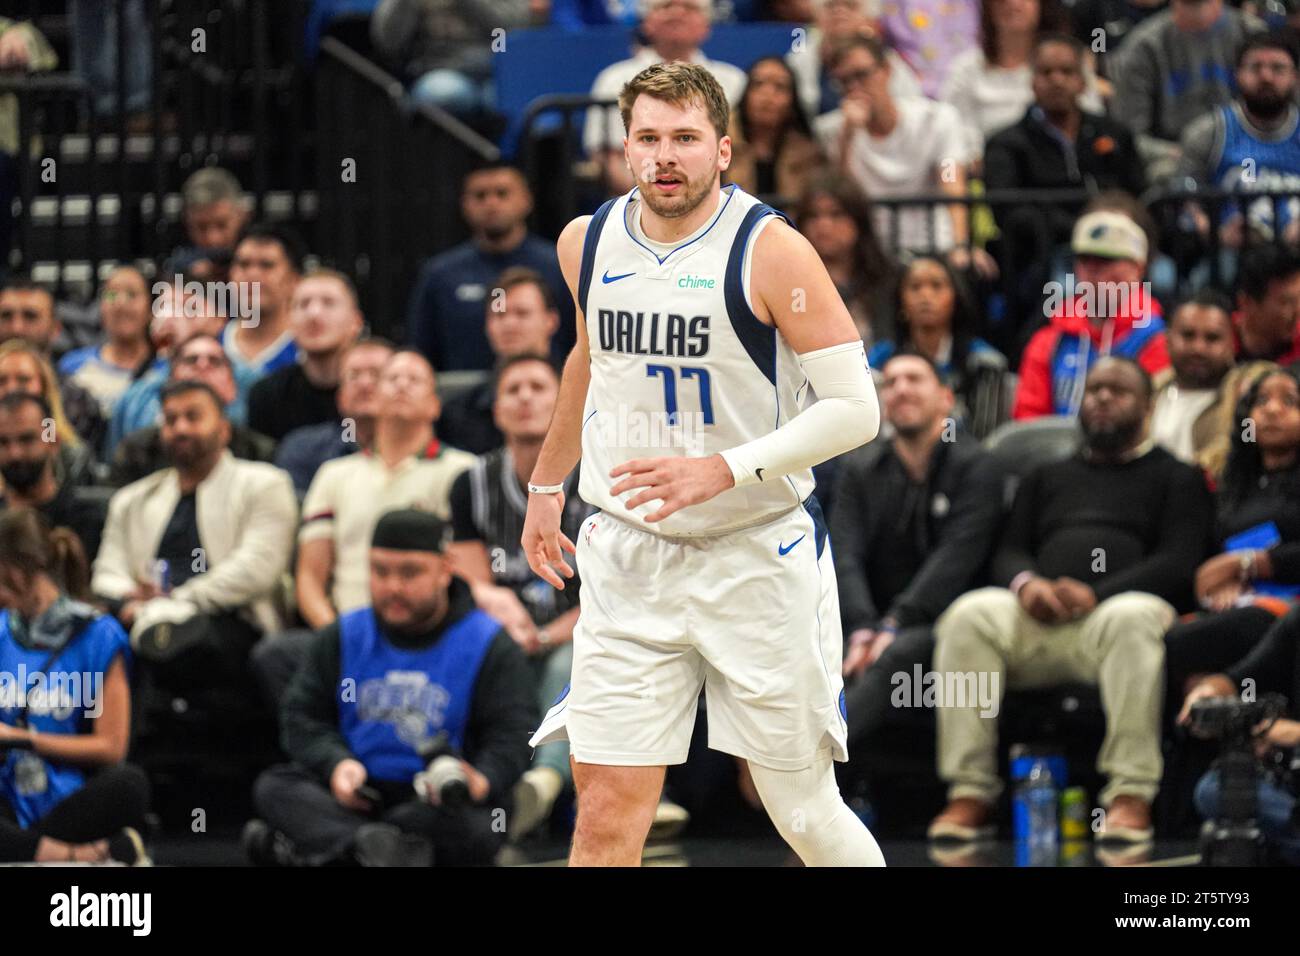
<point>703,311</point>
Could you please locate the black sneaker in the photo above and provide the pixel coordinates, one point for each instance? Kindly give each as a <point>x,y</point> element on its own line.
<point>126,846</point>
<point>382,844</point>
<point>267,847</point>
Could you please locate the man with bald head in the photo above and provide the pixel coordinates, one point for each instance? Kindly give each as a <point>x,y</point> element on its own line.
<point>405,466</point>
<point>1097,558</point>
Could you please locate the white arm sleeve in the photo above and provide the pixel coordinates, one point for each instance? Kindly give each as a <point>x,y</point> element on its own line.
<point>845,415</point>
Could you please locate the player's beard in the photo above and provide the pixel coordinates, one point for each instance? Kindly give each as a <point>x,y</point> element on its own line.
<point>674,207</point>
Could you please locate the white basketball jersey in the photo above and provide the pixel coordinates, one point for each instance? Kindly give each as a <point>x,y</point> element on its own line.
<point>680,364</point>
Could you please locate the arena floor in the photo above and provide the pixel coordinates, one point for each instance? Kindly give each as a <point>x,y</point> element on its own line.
<point>222,849</point>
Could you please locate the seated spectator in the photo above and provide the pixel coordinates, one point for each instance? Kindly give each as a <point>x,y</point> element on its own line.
<point>1271,667</point>
<point>177,317</point>
<point>1105,309</point>
<point>324,320</point>
<point>1255,574</point>
<point>305,449</point>
<point>772,149</point>
<point>27,313</point>
<point>445,319</point>
<point>405,467</point>
<point>267,264</point>
<point>1267,320</point>
<point>1030,155</point>
<point>215,213</point>
<point>1175,66</point>
<point>488,504</point>
<point>521,318</point>
<point>1098,555</point>
<point>1238,381</point>
<point>444,47</point>
<point>87,805</point>
<point>1111,22</point>
<point>914,521</point>
<point>834,21</point>
<point>106,371</point>
<point>930,35</point>
<point>894,151</point>
<point>199,358</point>
<point>1251,143</point>
<point>24,369</point>
<point>29,455</point>
<point>937,317</point>
<point>837,218</point>
<point>208,536</point>
<point>673,31</point>
<point>430,670</point>
<point>1183,420</point>
<point>991,85</point>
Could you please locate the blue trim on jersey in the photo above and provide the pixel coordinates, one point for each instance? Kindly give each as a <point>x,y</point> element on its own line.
<point>589,242</point>
<point>664,258</point>
<point>758,340</point>
<point>814,509</point>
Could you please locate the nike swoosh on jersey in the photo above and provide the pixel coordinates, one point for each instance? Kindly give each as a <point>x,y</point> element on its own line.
<point>758,473</point>
<point>783,549</point>
<point>607,278</point>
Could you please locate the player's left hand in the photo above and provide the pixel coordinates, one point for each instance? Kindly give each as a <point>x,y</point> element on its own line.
<point>677,482</point>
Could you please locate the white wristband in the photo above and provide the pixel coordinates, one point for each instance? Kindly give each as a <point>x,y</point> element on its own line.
<point>545,489</point>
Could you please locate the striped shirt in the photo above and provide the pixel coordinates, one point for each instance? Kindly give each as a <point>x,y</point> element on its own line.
<point>488,504</point>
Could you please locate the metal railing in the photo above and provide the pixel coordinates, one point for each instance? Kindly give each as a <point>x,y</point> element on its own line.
<point>389,176</point>
<point>110,192</point>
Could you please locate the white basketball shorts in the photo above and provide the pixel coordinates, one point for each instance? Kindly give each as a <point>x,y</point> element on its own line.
<point>752,617</point>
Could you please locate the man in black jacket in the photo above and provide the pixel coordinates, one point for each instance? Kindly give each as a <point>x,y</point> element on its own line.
<point>914,521</point>
<point>1100,551</point>
<point>1056,145</point>
<point>420,677</point>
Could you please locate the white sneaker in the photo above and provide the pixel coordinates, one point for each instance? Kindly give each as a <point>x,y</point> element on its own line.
<point>535,795</point>
<point>670,820</point>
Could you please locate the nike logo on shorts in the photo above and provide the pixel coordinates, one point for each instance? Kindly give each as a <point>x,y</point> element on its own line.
<point>786,549</point>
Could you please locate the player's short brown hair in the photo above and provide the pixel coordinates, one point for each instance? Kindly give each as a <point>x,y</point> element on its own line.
<point>682,84</point>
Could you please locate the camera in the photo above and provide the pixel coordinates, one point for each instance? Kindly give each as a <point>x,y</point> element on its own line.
<point>443,779</point>
<point>1233,837</point>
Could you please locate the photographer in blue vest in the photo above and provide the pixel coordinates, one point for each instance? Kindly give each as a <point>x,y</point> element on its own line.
<point>407,722</point>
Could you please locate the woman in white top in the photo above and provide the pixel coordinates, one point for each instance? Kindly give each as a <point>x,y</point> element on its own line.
<point>991,84</point>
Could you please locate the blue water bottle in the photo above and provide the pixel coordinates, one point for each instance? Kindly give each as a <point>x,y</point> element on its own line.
<point>1033,811</point>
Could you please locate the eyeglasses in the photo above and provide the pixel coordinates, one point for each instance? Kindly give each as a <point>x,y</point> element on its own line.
<point>849,79</point>
<point>212,361</point>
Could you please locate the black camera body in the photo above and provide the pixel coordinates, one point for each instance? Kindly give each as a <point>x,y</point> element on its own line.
<point>1233,837</point>
<point>443,779</point>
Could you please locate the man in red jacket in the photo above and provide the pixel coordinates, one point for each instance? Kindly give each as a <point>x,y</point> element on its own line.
<point>1104,308</point>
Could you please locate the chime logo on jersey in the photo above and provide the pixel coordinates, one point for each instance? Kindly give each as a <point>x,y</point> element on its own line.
<point>641,333</point>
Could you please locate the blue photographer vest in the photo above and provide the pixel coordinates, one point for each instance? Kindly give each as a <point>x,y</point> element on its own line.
<point>401,699</point>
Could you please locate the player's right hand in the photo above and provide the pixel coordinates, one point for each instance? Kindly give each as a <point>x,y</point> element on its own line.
<point>543,541</point>
<point>348,775</point>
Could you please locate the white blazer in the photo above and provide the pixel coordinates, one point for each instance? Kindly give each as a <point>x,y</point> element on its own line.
<point>247,516</point>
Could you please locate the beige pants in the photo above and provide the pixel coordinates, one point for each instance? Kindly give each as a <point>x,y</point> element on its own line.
<point>1119,647</point>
